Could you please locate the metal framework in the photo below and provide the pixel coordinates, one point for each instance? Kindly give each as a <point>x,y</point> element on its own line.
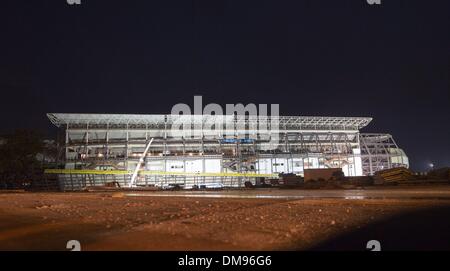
<point>379,151</point>
<point>330,123</point>
<point>115,141</point>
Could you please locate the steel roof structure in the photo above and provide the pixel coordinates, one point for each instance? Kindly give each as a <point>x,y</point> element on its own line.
<point>332,123</point>
<point>238,146</point>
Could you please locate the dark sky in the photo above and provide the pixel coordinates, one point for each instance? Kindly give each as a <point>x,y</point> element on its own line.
<point>336,58</point>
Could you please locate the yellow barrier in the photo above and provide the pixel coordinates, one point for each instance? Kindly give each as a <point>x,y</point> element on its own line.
<point>87,171</point>
<point>146,172</point>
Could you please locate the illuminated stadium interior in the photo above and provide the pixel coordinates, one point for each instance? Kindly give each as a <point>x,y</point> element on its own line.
<point>221,149</point>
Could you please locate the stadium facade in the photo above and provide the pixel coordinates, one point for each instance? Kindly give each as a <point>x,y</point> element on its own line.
<point>222,149</point>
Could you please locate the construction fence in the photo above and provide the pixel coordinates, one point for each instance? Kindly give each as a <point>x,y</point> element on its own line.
<point>74,180</point>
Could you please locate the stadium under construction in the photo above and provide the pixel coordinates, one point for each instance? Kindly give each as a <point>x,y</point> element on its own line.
<point>101,148</point>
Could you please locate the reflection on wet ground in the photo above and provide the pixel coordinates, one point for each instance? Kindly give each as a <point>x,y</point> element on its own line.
<point>354,194</point>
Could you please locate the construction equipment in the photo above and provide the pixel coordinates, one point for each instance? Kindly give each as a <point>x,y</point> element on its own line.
<point>392,175</point>
<point>289,180</point>
<point>325,174</point>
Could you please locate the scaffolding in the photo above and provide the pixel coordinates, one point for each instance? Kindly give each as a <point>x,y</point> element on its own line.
<point>225,144</point>
<point>379,152</point>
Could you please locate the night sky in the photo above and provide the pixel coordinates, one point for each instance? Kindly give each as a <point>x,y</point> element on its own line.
<point>333,58</point>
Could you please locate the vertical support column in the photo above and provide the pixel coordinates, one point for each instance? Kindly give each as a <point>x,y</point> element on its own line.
<point>165,168</point>
<point>202,145</point>
<point>302,143</point>
<point>271,164</point>
<point>184,168</point>
<point>165,136</point>
<point>316,136</point>
<point>86,147</point>
<point>237,157</point>
<point>349,148</point>
<point>145,161</point>
<point>369,154</point>
<point>107,142</point>
<point>202,137</point>
<point>286,147</point>
<point>333,147</point>
<point>126,147</point>
<point>165,148</point>
<point>203,168</point>
<point>66,145</point>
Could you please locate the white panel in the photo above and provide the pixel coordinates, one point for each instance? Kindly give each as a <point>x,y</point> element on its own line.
<point>358,162</point>
<point>264,166</point>
<point>175,166</point>
<point>348,170</point>
<point>194,166</point>
<point>269,165</point>
<point>311,162</point>
<point>212,165</point>
<point>297,165</point>
<point>157,165</point>
<point>280,165</point>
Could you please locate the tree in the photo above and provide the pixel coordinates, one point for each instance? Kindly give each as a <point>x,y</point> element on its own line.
<point>18,152</point>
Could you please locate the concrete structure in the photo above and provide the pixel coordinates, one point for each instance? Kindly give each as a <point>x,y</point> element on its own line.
<point>223,154</point>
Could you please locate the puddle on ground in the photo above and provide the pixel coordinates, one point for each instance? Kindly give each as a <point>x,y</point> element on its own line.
<point>206,195</point>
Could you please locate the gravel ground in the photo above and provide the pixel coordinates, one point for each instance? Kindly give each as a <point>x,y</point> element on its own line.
<point>114,221</point>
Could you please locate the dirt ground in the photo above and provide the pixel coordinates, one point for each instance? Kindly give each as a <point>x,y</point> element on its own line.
<point>117,221</point>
